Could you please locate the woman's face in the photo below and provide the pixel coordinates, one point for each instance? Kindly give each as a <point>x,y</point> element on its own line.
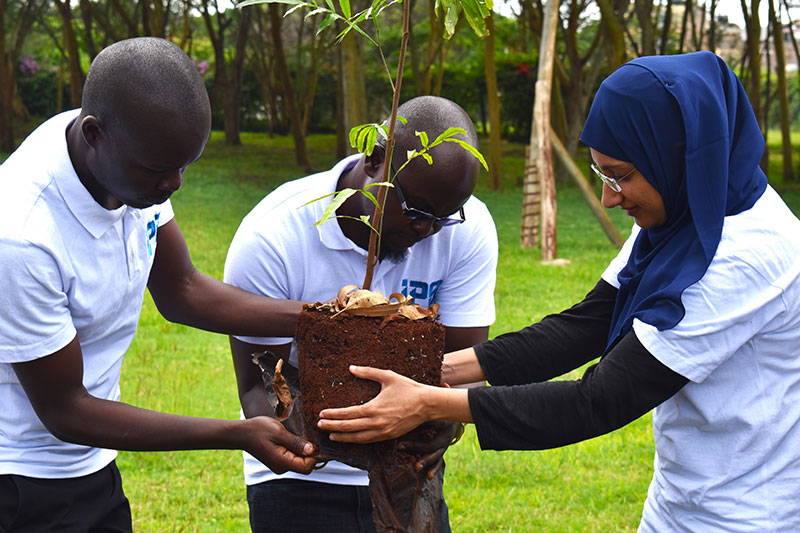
<point>637,198</point>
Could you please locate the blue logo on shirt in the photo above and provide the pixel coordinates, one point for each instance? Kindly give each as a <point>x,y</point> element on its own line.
<point>423,293</point>
<point>152,232</point>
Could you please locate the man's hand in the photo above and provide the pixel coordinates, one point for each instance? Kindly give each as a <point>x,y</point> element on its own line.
<point>277,448</point>
<point>431,440</point>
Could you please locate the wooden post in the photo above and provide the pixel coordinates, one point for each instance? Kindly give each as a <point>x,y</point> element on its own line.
<point>539,162</point>
<point>586,190</point>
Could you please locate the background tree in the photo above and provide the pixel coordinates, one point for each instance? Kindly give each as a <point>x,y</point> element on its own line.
<point>16,22</point>
<point>227,87</point>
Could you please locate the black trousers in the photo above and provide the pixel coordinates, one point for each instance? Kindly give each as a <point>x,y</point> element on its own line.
<point>297,506</point>
<point>95,503</point>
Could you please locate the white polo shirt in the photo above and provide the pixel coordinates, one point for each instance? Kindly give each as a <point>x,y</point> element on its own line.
<point>728,444</point>
<point>277,251</point>
<point>68,267</point>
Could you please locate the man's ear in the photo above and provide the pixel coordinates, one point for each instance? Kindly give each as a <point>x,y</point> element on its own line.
<point>91,130</point>
<point>374,162</point>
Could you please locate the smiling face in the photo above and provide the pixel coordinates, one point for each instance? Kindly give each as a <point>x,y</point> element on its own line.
<point>638,198</point>
<point>140,165</point>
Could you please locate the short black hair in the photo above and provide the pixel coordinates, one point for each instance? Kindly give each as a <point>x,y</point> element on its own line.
<point>433,115</point>
<point>141,75</point>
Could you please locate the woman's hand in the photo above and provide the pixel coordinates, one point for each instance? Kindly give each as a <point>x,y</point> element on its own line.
<point>402,405</point>
<point>394,412</point>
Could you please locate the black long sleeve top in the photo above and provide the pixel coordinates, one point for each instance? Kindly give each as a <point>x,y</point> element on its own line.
<point>522,410</point>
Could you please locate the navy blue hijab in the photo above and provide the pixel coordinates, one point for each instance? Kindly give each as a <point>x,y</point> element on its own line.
<point>685,123</point>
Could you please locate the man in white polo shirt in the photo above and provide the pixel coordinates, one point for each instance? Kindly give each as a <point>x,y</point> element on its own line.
<point>439,245</point>
<point>85,225</point>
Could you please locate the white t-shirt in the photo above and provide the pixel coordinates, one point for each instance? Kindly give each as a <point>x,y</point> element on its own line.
<point>728,444</point>
<point>68,267</point>
<point>278,252</point>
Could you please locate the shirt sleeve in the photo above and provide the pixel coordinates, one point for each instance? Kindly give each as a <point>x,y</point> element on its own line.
<point>732,303</point>
<point>555,345</point>
<point>624,385</point>
<point>35,319</point>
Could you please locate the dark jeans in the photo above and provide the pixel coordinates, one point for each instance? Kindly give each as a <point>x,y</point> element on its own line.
<point>296,506</point>
<point>93,503</point>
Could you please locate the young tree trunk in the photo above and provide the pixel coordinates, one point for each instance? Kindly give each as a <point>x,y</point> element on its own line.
<point>493,98</point>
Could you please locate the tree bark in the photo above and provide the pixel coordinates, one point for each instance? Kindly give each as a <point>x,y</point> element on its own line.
<point>295,120</point>
<point>540,153</point>
<point>71,46</point>
<point>493,98</point>
<point>354,88</point>
<point>783,93</point>
<point>232,96</point>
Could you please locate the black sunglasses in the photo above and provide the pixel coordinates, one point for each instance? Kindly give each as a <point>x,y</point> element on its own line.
<point>418,214</point>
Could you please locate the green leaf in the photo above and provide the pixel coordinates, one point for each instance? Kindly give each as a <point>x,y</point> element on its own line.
<point>450,19</point>
<point>475,12</point>
<point>469,148</point>
<point>449,133</point>
<point>427,157</point>
<point>423,138</point>
<point>345,5</point>
<point>246,3</point>
<point>339,198</point>
<point>311,13</point>
<point>330,19</point>
<point>403,121</point>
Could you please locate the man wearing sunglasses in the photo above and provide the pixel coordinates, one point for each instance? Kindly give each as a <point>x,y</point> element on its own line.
<point>438,244</point>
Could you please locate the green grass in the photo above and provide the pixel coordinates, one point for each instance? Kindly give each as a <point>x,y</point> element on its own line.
<point>598,485</point>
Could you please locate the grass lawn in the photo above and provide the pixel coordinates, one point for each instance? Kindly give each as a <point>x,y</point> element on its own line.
<point>598,485</point>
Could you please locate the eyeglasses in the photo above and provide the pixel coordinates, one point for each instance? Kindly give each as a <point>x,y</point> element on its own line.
<point>418,214</point>
<point>613,183</point>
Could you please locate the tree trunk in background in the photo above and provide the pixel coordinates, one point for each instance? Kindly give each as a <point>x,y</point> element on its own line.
<point>71,46</point>
<point>295,120</point>
<point>712,25</point>
<point>665,28</point>
<point>540,156</point>
<point>616,33</point>
<point>15,26</point>
<point>354,89</point>
<point>6,88</point>
<point>783,93</point>
<point>753,25</point>
<point>644,12</point>
<point>493,98</point>
<point>232,95</point>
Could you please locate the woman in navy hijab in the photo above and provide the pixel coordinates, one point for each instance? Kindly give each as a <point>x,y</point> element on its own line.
<point>698,317</point>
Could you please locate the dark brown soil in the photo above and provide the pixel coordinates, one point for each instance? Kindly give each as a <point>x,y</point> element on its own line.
<point>327,346</point>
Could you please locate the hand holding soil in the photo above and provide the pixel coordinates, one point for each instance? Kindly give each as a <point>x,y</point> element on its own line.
<point>402,405</point>
<point>269,442</point>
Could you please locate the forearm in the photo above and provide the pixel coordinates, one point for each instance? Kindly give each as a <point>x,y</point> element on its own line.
<point>207,303</point>
<point>626,384</point>
<point>441,403</point>
<point>552,347</point>
<point>461,367</point>
<point>107,424</point>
